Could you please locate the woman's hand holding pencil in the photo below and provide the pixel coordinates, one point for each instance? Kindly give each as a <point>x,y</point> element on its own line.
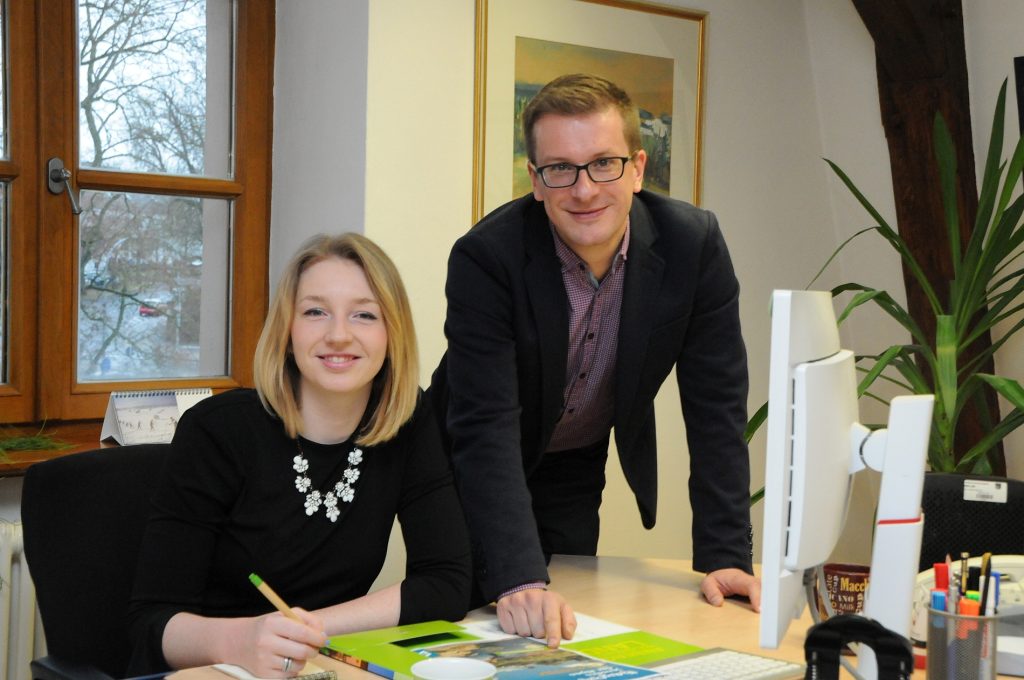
<point>283,645</point>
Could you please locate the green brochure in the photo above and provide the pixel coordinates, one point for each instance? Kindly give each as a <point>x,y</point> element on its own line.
<point>389,651</point>
<point>636,648</point>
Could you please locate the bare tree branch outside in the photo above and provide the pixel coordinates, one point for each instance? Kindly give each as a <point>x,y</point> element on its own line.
<point>143,92</point>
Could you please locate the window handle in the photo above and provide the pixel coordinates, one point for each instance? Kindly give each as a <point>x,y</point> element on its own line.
<point>58,180</point>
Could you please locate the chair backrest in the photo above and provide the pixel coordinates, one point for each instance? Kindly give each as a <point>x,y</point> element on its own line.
<point>83,517</point>
<point>970,513</point>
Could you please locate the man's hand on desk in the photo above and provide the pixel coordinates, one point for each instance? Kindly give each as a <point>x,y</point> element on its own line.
<point>538,613</point>
<point>720,584</point>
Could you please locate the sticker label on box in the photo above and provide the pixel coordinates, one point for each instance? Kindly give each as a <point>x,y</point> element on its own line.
<point>981,490</point>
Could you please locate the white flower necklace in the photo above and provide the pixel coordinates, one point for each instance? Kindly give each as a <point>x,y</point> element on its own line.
<point>343,490</point>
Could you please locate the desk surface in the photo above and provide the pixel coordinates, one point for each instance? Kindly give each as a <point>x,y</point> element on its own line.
<point>659,596</point>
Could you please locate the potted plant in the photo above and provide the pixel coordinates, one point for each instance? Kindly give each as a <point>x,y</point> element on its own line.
<point>986,296</point>
<point>14,440</point>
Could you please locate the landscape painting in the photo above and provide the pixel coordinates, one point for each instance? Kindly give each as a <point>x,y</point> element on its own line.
<point>648,80</point>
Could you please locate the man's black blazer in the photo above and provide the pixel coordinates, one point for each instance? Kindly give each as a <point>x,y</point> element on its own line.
<point>501,380</point>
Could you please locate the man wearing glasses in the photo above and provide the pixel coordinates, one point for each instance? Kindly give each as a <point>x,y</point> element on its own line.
<point>567,310</point>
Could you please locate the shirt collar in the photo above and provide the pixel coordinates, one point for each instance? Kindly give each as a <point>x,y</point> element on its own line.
<point>570,259</point>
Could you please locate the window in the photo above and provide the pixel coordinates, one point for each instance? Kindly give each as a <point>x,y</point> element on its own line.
<point>158,114</point>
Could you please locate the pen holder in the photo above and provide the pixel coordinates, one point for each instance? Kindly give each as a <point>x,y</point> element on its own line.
<point>961,647</point>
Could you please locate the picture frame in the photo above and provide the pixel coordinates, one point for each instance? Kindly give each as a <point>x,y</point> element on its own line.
<point>609,29</point>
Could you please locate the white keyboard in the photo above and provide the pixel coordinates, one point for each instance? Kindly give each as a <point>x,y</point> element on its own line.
<point>726,664</point>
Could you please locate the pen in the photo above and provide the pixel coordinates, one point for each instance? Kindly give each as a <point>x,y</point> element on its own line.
<point>941,571</point>
<point>941,585</point>
<point>952,595</point>
<point>274,598</point>
<point>993,598</point>
<point>986,632</point>
<point>937,642</point>
<point>986,573</point>
<point>953,598</point>
<point>974,578</point>
<point>963,650</point>
<point>968,608</point>
<point>278,603</point>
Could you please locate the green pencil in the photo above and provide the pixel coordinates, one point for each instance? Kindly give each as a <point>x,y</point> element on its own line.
<point>274,598</point>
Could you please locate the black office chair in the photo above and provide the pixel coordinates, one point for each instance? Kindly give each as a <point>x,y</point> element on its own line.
<point>953,524</point>
<point>83,517</point>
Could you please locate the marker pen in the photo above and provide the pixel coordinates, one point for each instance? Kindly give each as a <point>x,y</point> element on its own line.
<point>941,571</point>
<point>992,605</point>
<point>974,578</point>
<point>937,642</point>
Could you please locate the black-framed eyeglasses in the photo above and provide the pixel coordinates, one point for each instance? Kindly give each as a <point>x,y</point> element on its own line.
<point>561,175</point>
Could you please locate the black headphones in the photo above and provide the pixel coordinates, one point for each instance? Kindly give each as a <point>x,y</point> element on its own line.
<point>826,640</point>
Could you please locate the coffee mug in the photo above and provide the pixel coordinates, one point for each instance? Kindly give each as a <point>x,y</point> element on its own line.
<point>846,586</point>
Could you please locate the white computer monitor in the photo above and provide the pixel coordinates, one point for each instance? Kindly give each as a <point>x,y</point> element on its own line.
<point>803,469</point>
<point>815,444</point>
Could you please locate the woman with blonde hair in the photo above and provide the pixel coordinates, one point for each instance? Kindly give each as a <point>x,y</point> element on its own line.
<point>300,480</point>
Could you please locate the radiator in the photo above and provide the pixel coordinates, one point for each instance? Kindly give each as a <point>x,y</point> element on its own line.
<point>21,630</point>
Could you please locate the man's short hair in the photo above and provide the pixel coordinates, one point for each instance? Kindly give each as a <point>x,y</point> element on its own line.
<point>580,94</point>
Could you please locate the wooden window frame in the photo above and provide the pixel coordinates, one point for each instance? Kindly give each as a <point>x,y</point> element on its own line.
<point>43,341</point>
<point>17,395</point>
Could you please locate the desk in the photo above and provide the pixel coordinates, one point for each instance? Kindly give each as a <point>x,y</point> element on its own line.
<point>659,596</point>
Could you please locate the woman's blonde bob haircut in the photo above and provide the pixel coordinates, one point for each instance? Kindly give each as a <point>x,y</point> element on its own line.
<point>396,387</point>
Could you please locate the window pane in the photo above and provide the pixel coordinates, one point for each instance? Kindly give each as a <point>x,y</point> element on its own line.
<point>155,86</point>
<point>5,302</point>
<point>3,82</point>
<point>153,287</point>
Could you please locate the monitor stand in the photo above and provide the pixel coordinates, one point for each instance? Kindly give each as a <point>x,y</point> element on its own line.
<point>900,453</point>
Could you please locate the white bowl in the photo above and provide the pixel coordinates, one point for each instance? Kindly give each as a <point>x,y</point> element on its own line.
<point>453,668</point>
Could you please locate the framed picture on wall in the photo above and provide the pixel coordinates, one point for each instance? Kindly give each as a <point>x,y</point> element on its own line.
<point>654,52</point>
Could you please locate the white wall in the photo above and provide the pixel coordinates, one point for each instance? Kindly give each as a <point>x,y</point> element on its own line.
<point>419,148</point>
<point>319,123</point>
<point>788,83</point>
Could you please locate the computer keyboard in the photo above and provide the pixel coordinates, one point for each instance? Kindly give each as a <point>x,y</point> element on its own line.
<point>727,664</point>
